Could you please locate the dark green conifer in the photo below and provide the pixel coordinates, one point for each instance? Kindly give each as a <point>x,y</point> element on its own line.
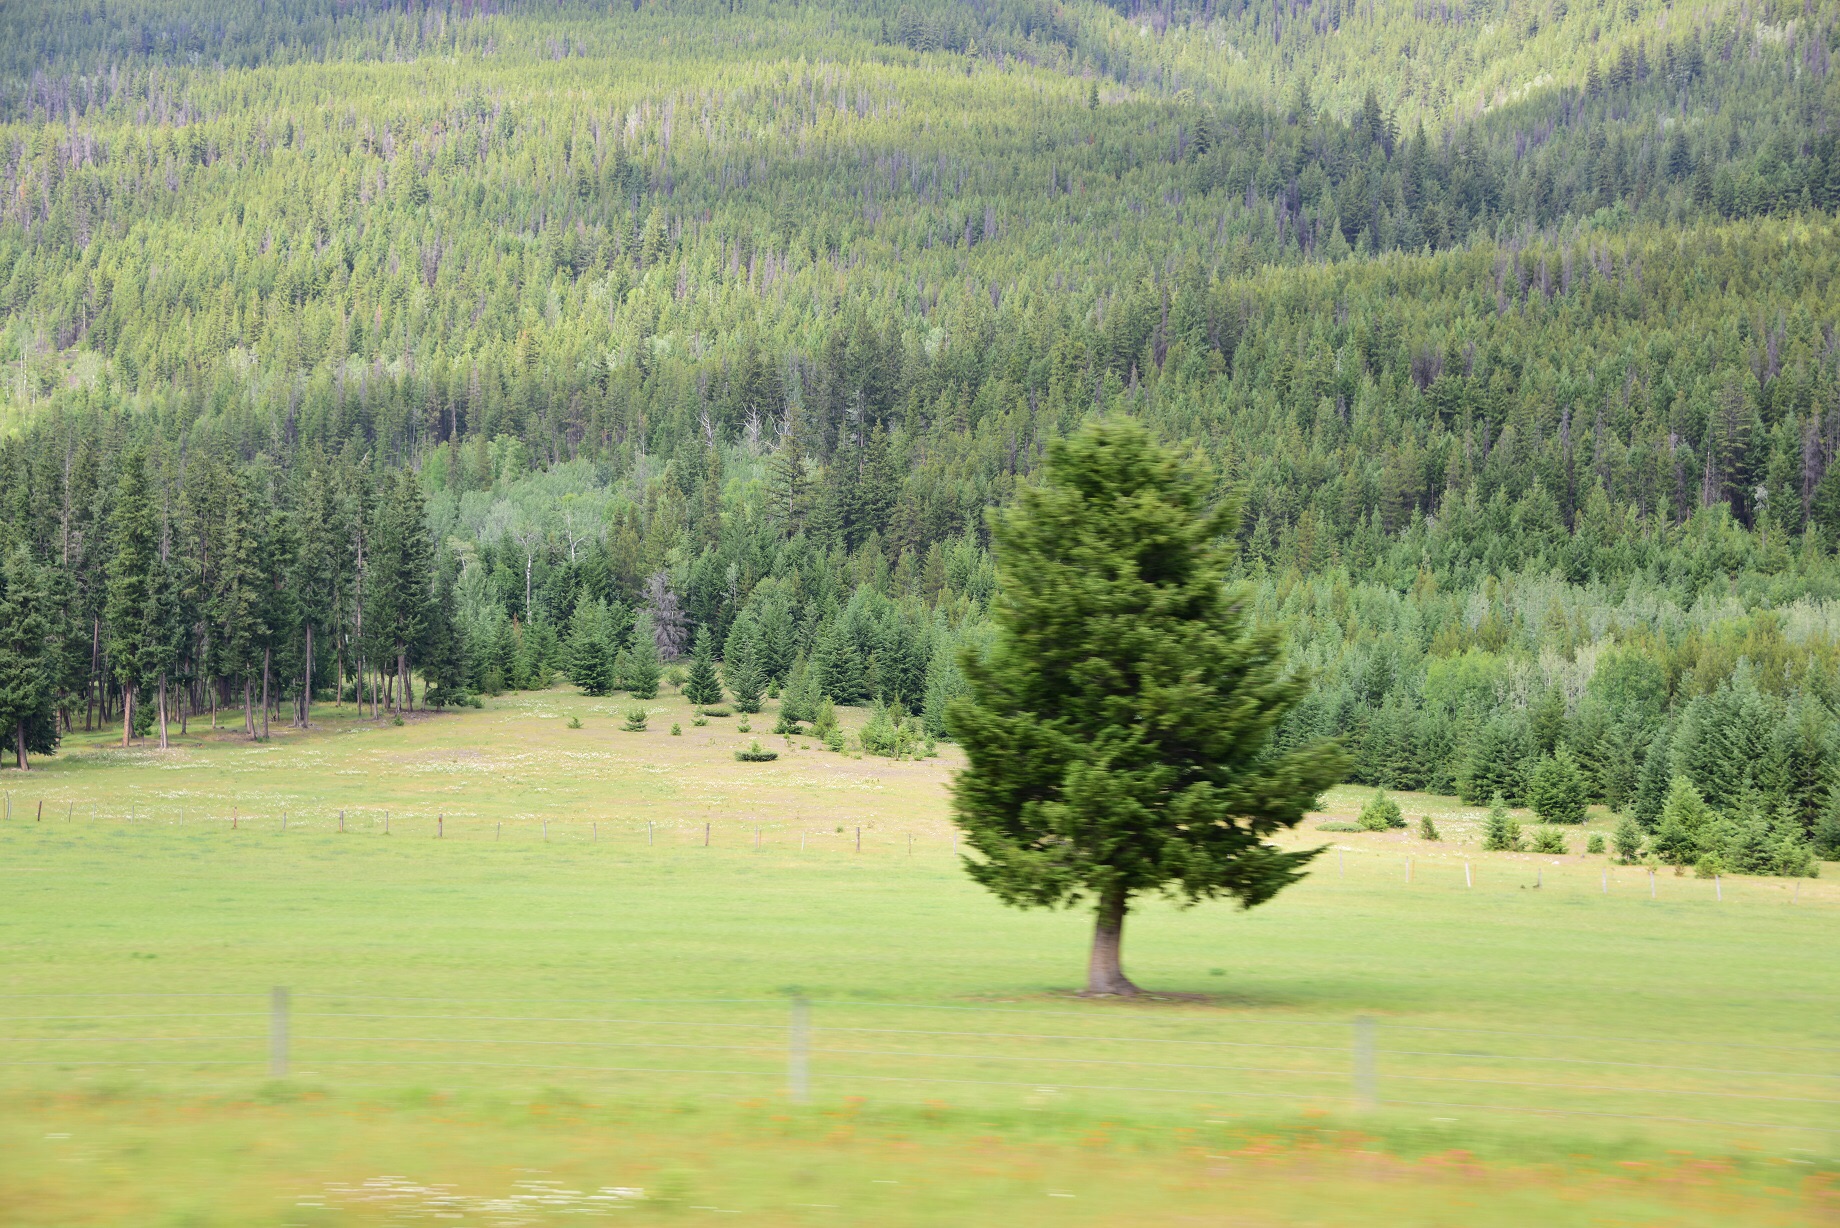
<point>1119,730</point>
<point>704,686</point>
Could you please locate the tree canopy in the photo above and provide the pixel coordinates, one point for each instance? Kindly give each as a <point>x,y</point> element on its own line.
<point>1119,729</point>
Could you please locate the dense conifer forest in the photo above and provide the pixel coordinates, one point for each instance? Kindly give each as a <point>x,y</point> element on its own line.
<point>405,352</point>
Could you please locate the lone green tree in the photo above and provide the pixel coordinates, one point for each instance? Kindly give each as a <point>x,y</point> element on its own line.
<point>1119,728</point>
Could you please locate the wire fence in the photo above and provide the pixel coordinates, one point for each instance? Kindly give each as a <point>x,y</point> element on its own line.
<point>1402,863</point>
<point>917,1053</point>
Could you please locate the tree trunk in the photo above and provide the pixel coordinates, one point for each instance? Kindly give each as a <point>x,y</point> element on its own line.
<point>19,748</point>
<point>162,709</point>
<point>89,692</point>
<point>306,684</point>
<point>127,714</point>
<point>249,716</point>
<point>1104,973</point>
<point>268,655</point>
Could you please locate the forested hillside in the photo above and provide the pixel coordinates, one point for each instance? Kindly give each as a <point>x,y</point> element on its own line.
<point>404,352</point>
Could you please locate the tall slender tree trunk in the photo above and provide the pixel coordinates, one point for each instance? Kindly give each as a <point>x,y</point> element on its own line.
<point>1104,972</point>
<point>19,747</point>
<point>127,713</point>
<point>405,701</point>
<point>338,670</point>
<point>268,656</point>
<point>249,716</point>
<point>306,683</point>
<point>162,709</point>
<point>95,652</point>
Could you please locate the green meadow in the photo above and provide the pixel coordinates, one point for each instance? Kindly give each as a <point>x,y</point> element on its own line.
<point>562,985</point>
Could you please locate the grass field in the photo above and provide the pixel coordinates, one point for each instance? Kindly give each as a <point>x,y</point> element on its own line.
<point>567,996</point>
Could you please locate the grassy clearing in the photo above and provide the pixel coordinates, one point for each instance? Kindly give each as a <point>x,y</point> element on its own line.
<point>542,995</point>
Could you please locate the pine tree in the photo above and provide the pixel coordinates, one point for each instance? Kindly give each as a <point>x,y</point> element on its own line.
<point>278,607</point>
<point>1500,832</point>
<point>444,662</point>
<point>799,700</point>
<point>1685,821</point>
<point>642,667</point>
<point>413,563</point>
<point>1652,785</point>
<point>1627,839</point>
<point>1119,731</point>
<point>703,687</point>
<point>28,661</point>
<point>1494,763</point>
<point>838,663</point>
<point>590,648</point>
<point>741,664</point>
<point>235,595</point>
<point>314,581</point>
<point>130,590</point>
<point>1556,792</point>
<point>165,635</point>
<point>1381,813</point>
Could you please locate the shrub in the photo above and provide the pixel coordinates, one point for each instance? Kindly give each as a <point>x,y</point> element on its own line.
<point>1595,844</point>
<point>1710,865</point>
<point>1339,827</point>
<point>718,710</point>
<point>1427,830</point>
<point>699,721</point>
<point>1548,840</point>
<point>676,729</point>
<point>1628,839</point>
<point>1500,833</point>
<point>574,722</point>
<point>1381,814</point>
<point>744,726</point>
<point>756,753</point>
<point>675,676</point>
<point>635,719</point>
